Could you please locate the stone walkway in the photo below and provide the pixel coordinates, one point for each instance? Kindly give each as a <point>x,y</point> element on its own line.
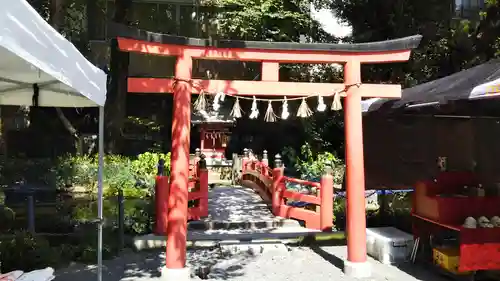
<point>237,209</point>
<point>237,204</point>
<point>299,263</point>
<point>234,205</point>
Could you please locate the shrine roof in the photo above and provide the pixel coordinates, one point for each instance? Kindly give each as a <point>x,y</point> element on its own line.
<point>120,30</point>
<point>222,116</point>
<point>482,81</point>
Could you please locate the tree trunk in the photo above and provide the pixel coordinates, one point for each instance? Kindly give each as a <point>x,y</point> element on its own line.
<point>72,130</point>
<point>57,13</point>
<point>116,100</point>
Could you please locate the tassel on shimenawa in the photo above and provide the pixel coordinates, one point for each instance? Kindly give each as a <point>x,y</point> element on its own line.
<point>270,116</point>
<point>254,110</point>
<point>201,103</point>
<point>237,112</point>
<point>285,113</point>
<point>304,110</point>
<point>337,103</point>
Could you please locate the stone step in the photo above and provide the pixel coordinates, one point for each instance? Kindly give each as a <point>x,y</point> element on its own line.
<point>254,247</point>
<point>213,238</point>
<point>235,225</point>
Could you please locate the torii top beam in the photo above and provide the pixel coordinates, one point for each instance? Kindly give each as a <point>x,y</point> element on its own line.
<point>269,53</point>
<point>136,40</point>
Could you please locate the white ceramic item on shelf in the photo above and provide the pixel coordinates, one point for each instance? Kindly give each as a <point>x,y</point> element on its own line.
<point>470,222</point>
<point>495,221</point>
<point>484,222</point>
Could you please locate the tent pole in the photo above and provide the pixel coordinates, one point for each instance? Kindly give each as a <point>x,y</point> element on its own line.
<point>100,176</point>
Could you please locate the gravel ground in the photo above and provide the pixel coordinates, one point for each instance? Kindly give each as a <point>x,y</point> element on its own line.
<point>319,263</point>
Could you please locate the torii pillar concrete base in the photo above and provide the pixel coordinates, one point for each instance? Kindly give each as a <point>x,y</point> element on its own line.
<point>357,269</point>
<point>176,274</point>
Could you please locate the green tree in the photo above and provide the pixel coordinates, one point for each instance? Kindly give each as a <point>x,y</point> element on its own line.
<point>449,45</point>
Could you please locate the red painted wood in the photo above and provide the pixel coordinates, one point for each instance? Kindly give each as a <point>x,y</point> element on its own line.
<point>326,203</point>
<point>283,56</point>
<point>203,181</point>
<point>479,249</point>
<point>355,173</point>
<point>195,195</point>
<point>445,225</point>
<point>302,182</point>
<point>270,71</point>
<point>311,218</point>
<point>261,88</point>
<point>296,196</point>
<point>161,202</point>
<point>184,87</point>
<point>202,137</point>
<point>178,198</point>
<point>277,190</point>
<point>194,214</point>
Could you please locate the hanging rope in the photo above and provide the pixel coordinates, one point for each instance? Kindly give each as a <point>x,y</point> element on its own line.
<point>303,111</point>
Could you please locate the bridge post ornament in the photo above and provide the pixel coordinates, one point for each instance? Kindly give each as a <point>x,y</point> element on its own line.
<point>265,158</point>
<point>202,164</point>
<point>277,161</point>
<point>161,167</point>
<point>328,170</point>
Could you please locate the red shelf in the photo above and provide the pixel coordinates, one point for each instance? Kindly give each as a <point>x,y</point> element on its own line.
<point>479,247</point>
<point>449,226</point>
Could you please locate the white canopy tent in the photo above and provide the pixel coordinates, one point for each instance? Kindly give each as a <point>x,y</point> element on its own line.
<point>39,67</point>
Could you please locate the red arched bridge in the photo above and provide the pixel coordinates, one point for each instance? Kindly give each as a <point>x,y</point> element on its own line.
<point>257,184</point>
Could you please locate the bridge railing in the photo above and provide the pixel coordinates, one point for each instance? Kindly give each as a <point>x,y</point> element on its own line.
<point>315,208</point>
<point>197,196</point>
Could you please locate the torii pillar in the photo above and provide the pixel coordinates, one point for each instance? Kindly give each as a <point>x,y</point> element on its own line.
<point>271,55</point>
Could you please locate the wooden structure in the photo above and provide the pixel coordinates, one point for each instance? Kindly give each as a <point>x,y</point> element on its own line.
<point>418,140</point>
<point>444,145</point>
<point>215,132</point>
<point>271,185</point>
<point>198,194</point>
<point>453,117</point>
<point>437,212</point>
<point>270,54</point>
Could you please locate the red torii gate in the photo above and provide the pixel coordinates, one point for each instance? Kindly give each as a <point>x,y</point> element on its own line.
<point>271,54</point>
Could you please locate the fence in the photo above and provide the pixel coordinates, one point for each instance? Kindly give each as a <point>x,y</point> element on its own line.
<point>197,193</point>
<point>271,185</point>
<point>62,215</point>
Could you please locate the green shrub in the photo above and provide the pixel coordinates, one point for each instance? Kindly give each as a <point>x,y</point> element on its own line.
<point>120,172</point>
<point>145,167</point>
<point>310,166</point>
<point>84,246</point>
<point>139,213</point>
<point>40,171</point>
<point>25,252</point>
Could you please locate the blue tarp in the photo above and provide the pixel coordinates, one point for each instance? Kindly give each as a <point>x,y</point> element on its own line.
<point>341,194</point>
